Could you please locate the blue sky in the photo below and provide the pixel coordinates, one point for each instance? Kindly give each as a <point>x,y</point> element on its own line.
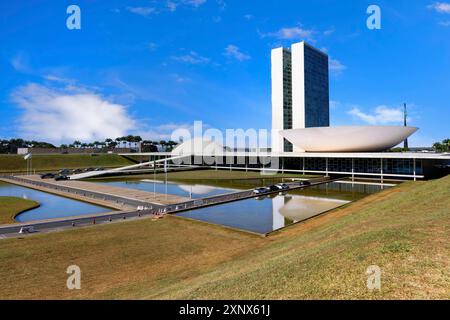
<point>148,67</point>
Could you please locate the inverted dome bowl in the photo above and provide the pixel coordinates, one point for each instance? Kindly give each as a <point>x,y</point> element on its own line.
<point>348,138</point>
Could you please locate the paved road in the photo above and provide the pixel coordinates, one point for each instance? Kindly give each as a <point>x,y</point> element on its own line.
<point>72,222</point>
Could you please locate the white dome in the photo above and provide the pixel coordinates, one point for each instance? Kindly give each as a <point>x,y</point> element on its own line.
<point>198,146</point>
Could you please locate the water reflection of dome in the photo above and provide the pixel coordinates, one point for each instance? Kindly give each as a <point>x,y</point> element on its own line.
<point>298,208</point>
<point>196,188</point>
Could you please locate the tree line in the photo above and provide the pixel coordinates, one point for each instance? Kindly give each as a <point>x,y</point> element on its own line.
<point>130,141</point>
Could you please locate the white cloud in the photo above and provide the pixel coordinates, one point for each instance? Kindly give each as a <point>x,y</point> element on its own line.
<point>194,3</point>
<point>181,79</point>
<point>20,63</point>
<point>329,32</point>
<point>294,33</point>
<point>151,46</point>
<point>248,17</point>
<point>142,11</point>
<point>233,51</point>
<point>164,131</point>
<point>63,115</point>
<point>192,58</point>
<point>381,115</point>
<point>336,66</point>
<point>172,6</point>
<point>334,104</point>
<point>441,7</point>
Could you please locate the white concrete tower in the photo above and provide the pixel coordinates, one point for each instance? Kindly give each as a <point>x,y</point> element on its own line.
<point>300,91</point>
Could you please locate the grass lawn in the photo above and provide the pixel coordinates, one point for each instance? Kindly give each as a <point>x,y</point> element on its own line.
<point>15,163</point>
<point>11,206</point>
<point>404,230</point>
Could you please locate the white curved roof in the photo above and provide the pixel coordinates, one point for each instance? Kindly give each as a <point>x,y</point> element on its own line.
<point>198,146</point>
<point>348,138</point>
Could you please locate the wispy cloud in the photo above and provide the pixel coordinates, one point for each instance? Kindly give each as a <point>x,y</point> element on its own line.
<point>336,66</point>
<point>292,33</point>
<point>142,11</point>
<point>20,63</point>
<point>234,52</point>
<point>164,131</point>
<point>248,17</point>
<point>195,3</point>
<point>445,23</point>
<point>52,77</point>
<point>171,6</point>
<point>381,115</point>
<point>329,31</point>
<point>62,115</point>
<point>192,58</point>
<point>441,7</point>
<point>181,79</point>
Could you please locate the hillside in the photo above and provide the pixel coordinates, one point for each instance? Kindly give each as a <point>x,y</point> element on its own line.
<point>404,230</point>
<point>16,163</point>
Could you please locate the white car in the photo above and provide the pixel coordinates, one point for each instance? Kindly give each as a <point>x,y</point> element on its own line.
<point>29,229</point>
<point>261,190</point>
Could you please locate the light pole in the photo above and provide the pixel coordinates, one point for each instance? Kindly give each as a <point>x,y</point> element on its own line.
<point>405,143</point>
<point>28,157</point>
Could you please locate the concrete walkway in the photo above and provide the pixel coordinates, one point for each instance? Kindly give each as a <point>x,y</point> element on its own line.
<point>108,190</point>
<point>154,211</point>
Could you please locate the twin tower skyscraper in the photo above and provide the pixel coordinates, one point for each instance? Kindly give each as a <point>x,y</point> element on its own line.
<point>300,91</point>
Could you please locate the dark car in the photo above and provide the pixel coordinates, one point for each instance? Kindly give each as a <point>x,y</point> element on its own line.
<point>64,171</point>
<point>77,171</point>
<point>282,186</point>
<point>88,169</point>
<point>61,177</point>
<point>274,188</point>
<point>99,169</point>
<point>305,183</point>
<point>47,176</point>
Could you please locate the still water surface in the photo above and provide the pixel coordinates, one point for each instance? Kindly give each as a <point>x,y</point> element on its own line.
<point>51,206</point>
<point>266,214</point>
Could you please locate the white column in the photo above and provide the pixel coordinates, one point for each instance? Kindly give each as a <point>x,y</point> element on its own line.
<point>277,98</point>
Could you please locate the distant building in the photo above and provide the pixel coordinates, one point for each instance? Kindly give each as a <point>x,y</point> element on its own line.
<point>300,91</point>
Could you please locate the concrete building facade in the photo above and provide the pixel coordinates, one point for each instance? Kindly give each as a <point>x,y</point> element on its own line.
<point>300,91</point>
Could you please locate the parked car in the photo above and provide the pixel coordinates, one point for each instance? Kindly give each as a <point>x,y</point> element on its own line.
<point>76,171</point>
<point>88,169</point>
<point>305,183</point>
<point>274,188</point>
<point>64,171</point>
<point>61,177</point>
<point>47,176</point>
<point>29,229</point>
<point>99,169</point>
<point>261,190</point>
<point>282,186</point>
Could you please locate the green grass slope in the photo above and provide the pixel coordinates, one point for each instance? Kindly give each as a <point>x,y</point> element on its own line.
<point>16,163</point>
<point>11,206</point>
<point>404,231</point>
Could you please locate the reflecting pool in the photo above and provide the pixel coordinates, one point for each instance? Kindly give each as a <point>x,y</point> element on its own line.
<point>266,214</point>
<point>51,206</point>
<point>193,191</point>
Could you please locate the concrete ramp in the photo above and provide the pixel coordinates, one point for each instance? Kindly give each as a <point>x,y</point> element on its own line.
<point>91,174</point>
